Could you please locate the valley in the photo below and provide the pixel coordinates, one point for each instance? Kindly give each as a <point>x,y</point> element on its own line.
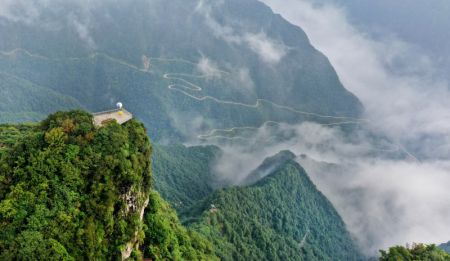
<point>239,140</point>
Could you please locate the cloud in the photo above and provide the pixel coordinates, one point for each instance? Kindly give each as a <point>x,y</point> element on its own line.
<point>384,197</point>
<point>45,14</point>
<point>387,202</point>
<point>400,88</point>
<point>245,80</point>
<point>268,50</point>
<point>208,68</point>
<point>20,11</point>
<point>83,31</point>
<point>383,201</point>
<point>189,124</point>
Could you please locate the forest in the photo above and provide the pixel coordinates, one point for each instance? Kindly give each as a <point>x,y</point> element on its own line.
<point>70,191</point>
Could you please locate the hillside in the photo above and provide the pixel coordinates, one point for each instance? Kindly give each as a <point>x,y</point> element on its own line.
<point>281,217</point>
<point>22,100</point>
<point>183,175</point>
<point>415,252</point>
<point>209,72</point>
<point>69,191</point>
<point>446,247</point>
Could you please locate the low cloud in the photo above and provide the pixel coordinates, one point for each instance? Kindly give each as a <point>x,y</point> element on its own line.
<point>83,31</point>
<point>245,80</point>
<point>405,95</point>
<point>45,14</point>
<point>189,128</point>
<point>208,68</point>
<point>387,202</point>
<point>382,200</point>
<point>384,196</point>
<point>20,11</point>
<point>268,50</point>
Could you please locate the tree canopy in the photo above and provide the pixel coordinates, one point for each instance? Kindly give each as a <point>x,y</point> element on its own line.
<point>416,252</point>
<point>70,191</point>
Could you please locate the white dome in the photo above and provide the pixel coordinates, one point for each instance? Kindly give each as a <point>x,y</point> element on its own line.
<point>119,105</point>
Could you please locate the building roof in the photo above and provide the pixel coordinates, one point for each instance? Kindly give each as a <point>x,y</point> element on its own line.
<point>120,115</point>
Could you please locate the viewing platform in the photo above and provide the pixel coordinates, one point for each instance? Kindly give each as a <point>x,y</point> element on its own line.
<point>120,115</point>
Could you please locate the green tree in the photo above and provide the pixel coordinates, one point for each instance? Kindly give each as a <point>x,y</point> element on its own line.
<point>70,191</point>
<point>415,253</point>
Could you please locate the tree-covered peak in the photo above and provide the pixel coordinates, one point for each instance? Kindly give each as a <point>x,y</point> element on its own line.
<point>71,191</point>
<point>269,165</point>
<point>281,217</point>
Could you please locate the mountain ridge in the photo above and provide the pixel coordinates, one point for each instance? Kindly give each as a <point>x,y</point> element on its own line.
<point>71,191</point>
<point>240,221</point>
<point>256,58</point>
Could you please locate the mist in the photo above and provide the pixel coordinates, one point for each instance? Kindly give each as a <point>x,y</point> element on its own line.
<point>390,192</point>
<point>404,94</point>
<point>383,201</point>
<point>268,50</point>
<point>45,14</point>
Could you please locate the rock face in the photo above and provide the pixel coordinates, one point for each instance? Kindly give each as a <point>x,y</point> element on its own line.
<point>132,208</point>
<point>73,191</point>
<point>86,190</point>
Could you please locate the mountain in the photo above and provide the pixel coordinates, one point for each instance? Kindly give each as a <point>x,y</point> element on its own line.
<point>70,191</point>
<point>89,195</point>
<point>183,175</point>
<point>188,69</point>
<point>264,220</point>
<point>268,166</point>
<point>380,15</point>
<point>394,18</point>
<point>281,217</point>
<point>167,239</point>
<point>22,100</point>
<point>446,247</point>
<point>182,67</point>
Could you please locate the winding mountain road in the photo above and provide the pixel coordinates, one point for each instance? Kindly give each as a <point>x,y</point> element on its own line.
<point>188,86</point>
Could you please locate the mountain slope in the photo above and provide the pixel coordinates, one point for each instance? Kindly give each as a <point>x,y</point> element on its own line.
<point>445,247</point>
<point>175,61</point>
<point>183,175</point>
<point>268,166</point>
<point>70,191</point>
<point>281,217</point>
<point>21,100</point>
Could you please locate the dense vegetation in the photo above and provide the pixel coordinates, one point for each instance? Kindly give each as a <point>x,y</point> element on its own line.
<point>56,69</point>
<point>167,239</point>
<point>183,174</point>
<point>416,252</point>
<point>69,191</point>
<point>22,100</point>
<point>10,134</point>
<point>66,188</point>
<point>281,217</point>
